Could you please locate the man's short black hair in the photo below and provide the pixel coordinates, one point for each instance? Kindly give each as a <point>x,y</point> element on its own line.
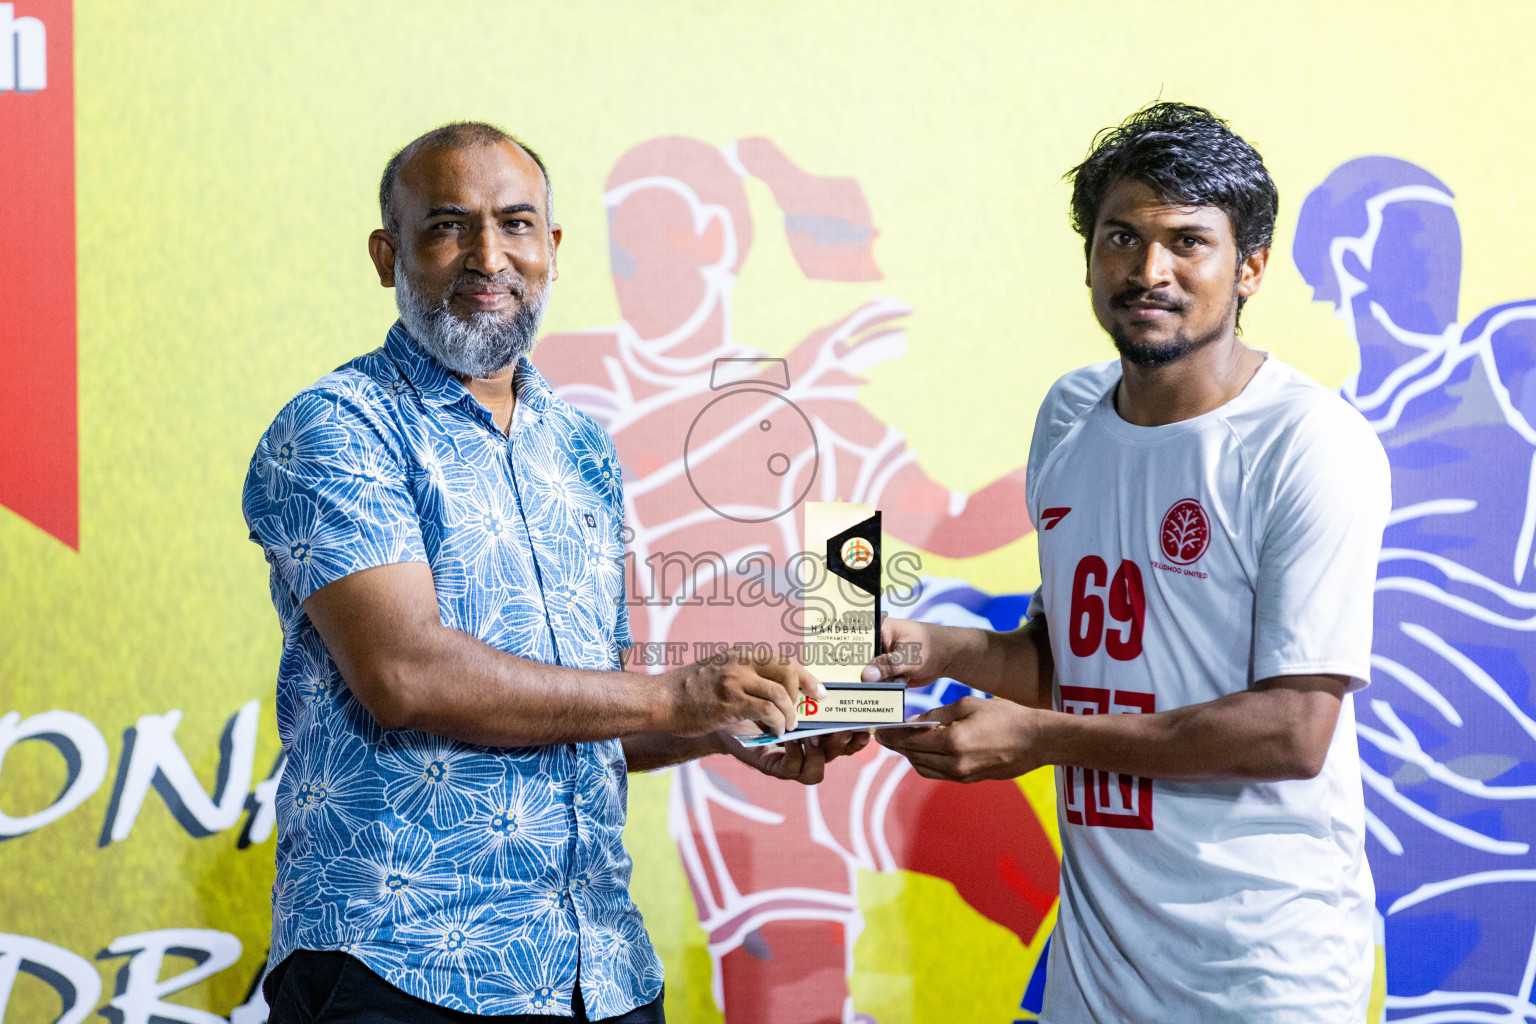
<point>457,135</point>
<point>1189,157</point>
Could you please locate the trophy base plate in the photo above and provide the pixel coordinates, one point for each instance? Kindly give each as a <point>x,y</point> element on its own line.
<point>856,704</point>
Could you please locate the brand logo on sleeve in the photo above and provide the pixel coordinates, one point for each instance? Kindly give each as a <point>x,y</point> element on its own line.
<point>1185,533</point>
<point>1051,516</point>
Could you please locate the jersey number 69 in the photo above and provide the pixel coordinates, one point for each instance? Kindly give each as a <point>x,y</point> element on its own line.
<point>1127,607</point>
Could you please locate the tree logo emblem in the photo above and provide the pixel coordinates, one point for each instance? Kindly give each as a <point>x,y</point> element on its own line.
<point>1186,532</point>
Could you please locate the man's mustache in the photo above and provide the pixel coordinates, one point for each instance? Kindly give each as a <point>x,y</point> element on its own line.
<point>1122,300</point>
<point>503,281</point>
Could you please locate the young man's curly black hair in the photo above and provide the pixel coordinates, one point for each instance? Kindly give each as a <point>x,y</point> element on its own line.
<point>1189,157</point>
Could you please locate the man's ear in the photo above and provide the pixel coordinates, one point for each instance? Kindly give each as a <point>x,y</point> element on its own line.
<point>555,234</point>
<point>1250,273</point>
<point>381,248</point>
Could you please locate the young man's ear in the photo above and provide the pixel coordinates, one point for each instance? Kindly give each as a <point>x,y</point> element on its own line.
<point>1250,273</point>
<point>381,249</point>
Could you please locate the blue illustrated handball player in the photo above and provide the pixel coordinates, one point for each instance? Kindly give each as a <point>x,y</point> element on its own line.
<point>1448,728</point>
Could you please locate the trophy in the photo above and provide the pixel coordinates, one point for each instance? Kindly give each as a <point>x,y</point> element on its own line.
<point>841,618</point>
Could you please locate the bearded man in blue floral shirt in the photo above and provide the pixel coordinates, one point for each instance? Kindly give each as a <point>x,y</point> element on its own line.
<point>445,539</point>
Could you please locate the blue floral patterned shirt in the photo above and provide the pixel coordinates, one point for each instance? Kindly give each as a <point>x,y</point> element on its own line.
<point>474,877</point>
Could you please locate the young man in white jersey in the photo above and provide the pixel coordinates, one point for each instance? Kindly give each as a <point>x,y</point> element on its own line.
<point>1209,524</point>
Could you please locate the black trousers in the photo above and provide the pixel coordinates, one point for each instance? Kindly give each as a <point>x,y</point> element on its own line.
<point>313,987</point>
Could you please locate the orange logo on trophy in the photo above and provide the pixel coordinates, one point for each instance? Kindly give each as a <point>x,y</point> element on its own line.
<point>857,553</point>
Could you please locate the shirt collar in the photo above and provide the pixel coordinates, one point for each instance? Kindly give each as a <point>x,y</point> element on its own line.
<point>435,385</point>
<point>532,390</point>
<point>438,387</point>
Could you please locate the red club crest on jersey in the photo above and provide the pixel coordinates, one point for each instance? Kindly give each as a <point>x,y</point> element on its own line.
<point>1186,532</point>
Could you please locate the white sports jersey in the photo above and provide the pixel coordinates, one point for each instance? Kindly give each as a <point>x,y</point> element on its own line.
<point>1179,564</point>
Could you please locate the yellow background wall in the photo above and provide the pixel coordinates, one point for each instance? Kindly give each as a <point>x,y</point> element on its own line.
<point>227,163</point>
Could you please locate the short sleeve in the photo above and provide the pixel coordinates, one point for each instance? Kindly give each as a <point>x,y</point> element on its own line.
<point>325,496</point>
<point>1072,396</point>
<point>1039,450</point>
<point>598,458</point>
<point>622,637</point>
<point>1067,401</point>
<point>1331,494</point>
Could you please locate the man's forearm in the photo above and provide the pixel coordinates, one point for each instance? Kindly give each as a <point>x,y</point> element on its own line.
<point>1015,665</point>
<point>458,687</point>
<point>382,629</point>
<point>648,751</point>
<point>1261,735</point>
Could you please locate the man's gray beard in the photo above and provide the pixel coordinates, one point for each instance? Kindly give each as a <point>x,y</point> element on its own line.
<point>479,346</point>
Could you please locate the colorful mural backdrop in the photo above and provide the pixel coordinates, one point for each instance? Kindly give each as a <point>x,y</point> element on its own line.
<point>812,252</point>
